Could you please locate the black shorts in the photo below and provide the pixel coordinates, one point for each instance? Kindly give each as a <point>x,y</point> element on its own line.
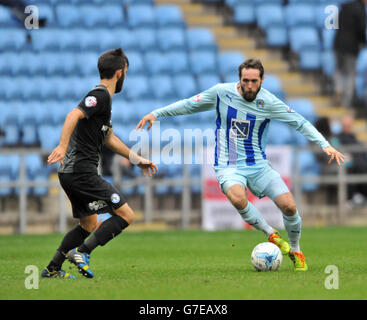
<point>90,194</point>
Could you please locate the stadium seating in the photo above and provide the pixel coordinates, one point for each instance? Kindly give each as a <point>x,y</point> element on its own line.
<point>46,77</point>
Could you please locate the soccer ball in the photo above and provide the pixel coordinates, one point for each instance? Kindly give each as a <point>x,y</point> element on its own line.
<point>266,256</point>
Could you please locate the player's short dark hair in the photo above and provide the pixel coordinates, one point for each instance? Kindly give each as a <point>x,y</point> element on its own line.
<point>110,61</point>
<point>251,64</point>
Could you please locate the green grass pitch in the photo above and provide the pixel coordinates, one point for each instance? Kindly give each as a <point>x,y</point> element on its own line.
<point>192,265</point>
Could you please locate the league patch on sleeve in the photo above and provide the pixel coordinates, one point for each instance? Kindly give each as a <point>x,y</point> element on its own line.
<point>290,110</point>
<point>90,101</point>
<point>197,98</point>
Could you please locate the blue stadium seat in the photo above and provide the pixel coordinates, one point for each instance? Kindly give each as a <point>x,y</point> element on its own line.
<point>28,124</point>
<point>244,13</point>
<point>200,39</point>
<point>34,164</point>
<point>7,63</point>
<point>8,88</point>
<point>328,63</point>
<point>171,39</point>
<point>107,15</point>
<point>46,11</point>
<point>161,86</point>
<point>228,62</point>
<point>7,19</point>
<point>310,59</point>
<point>308,166</point>
<point>277,36</point>
<point>86,63</point>
<point>9,171</point>
<point>136,61</point>
<point>299,14</point>
<point>184,85</point>
<point>156,63</point>
<point>304,107</point>
<point>47,39</point>
<point>328,36</point>
<point>146,38</point>
<point>178,62</point>
<point>302,38</point>
<point>136,87</point>
<point>270,14</point>
<point>141,15</point>
<point>279,133</point>
<point>207,80</point>
<point>203,62</point>
<point>12,38</point>
<point>361,64</point>
<point>49,136</point>
<point>68,15</point>
<point>168,16</point>
<point>41,176</point>
<point>273,84</point>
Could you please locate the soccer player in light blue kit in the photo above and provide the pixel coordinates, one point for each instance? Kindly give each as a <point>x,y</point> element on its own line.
<point>244,111</point>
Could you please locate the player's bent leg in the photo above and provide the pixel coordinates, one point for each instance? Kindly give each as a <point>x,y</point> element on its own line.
<point>72,239</point>
<point>293,225</point>
<point>89,223</point>
<point>126,213</point>
<point>236,194</point>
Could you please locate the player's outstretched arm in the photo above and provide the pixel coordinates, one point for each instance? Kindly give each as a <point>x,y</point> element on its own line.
<point>150,118</point>
<point>58,154</point>
<point>334,154</point>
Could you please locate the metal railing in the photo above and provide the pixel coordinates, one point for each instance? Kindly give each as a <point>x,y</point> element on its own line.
<point>341,179</point>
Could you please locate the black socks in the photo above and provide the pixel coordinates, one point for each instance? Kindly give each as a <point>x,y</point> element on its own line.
<point>106,232</point>
<point>72,239</point>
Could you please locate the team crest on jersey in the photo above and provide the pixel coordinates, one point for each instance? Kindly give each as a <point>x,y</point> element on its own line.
<point>260,103</point>
<point>115,198</point>
<point>90,101</point>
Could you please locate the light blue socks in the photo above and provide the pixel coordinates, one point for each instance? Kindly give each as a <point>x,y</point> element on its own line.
<point>253,217</point>
<point>293,225</point>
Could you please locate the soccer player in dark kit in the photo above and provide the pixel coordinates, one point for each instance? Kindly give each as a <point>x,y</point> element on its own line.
<point>86,129</point>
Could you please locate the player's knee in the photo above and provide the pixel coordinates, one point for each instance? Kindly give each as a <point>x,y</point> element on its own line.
<point>90,226</point>
<point>126,213</point>
<point>290,209</point>
<point>238,200</point>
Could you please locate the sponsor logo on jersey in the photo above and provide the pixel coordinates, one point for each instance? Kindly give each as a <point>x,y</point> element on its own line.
<point>96,205</point>
<point>90,101</point>
<point>239,129</point>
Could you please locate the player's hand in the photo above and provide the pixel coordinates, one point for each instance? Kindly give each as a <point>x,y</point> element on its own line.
<point>334,154</point>
<point>150,118</point>
<point>147,167</point>
<point>58,154</point>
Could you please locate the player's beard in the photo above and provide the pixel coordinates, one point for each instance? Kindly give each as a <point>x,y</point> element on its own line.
<point>250,95</point>
<point>119,85</point>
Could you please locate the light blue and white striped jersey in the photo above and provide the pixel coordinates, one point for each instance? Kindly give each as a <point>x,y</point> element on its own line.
<point>242,126</point>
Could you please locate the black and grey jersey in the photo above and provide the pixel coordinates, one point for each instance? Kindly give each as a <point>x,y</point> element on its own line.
<point>89,134</point>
